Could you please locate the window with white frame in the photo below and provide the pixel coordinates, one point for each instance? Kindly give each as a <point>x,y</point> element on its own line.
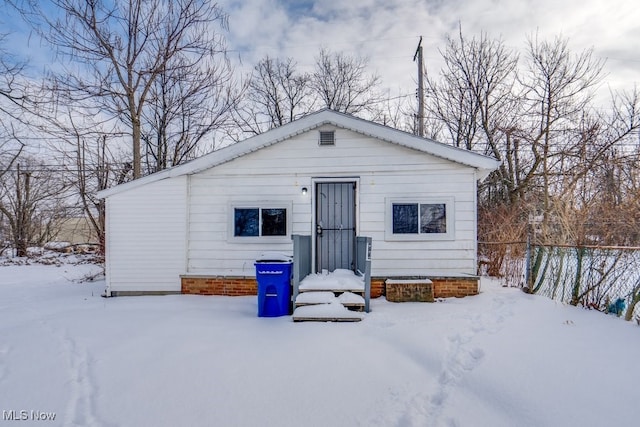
<point>428,219</point>
<point>264,221</point>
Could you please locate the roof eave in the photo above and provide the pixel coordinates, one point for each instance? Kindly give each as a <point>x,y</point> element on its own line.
<point>483,164</point>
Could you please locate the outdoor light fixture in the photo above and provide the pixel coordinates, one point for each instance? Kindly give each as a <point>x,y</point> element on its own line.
<point>304,191</point>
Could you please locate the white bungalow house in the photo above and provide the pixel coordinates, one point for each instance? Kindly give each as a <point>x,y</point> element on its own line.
<point>198,227</point>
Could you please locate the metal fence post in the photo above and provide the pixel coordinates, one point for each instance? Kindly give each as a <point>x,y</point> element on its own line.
<point>363,266</point>
<point>528,279</point>
<point>301,261</point>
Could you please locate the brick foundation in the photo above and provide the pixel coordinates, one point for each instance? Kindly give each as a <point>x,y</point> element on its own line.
<point>413,290</point>
<point>447,287</point>
<point>219,285</point>
<point>443,287</point>
<point>377,286</point>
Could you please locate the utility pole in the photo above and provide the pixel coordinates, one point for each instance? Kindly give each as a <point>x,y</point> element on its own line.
<point>420,94</point>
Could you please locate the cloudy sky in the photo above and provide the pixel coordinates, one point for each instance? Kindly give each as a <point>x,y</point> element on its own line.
<point>387,31</point>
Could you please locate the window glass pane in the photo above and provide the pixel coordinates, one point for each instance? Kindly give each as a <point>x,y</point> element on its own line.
<point>274,222</point>
<point>246,222</point>
<point>405,218</point>
<point>433,218</point>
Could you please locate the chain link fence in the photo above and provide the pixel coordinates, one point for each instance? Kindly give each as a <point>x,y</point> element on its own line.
<point>601,278</point>
<point>506,260</point>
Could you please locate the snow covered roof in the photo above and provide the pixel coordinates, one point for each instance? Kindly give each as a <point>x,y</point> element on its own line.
<point>483,164</point>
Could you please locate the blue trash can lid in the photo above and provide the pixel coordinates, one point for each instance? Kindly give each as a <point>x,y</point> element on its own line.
<point>274,257</point>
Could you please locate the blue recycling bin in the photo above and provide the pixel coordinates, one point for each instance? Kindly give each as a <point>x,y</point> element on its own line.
<point>274,288</point>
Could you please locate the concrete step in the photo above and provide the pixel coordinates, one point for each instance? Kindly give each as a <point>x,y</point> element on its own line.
<point>326,312</point>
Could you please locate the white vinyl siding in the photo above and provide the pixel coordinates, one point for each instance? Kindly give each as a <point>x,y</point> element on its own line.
<point>180,221</point>
<point>213,248</point>
<point>146,237</point>
<point>384,170</point>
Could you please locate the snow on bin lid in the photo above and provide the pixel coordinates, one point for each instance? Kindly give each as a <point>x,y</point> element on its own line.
<point>273,257</point>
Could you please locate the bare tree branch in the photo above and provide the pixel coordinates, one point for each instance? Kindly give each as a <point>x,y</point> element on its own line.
<point>118,50</point>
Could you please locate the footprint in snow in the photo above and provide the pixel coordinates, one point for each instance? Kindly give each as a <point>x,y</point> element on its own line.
<point>492,321</point>
<point>460,359</point>
<point>80,406</point>
<point>471,359</point>
<point>460,339</point>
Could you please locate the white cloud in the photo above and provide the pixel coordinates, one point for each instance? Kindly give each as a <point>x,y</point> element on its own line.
<point>387,31</point>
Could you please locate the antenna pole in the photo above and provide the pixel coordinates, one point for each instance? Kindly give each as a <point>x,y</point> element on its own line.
<point>420,94</point>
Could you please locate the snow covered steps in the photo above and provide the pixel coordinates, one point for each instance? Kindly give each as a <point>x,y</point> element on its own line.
<point>325,306</point>
<point>330,297</point>
<point>347,299</point>
<point>326,312</point>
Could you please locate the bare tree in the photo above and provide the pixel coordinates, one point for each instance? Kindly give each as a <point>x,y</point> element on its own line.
<point>186,107</point>
<point>531,120</point>
<point>559,88</point>
<point>11,85</point>
<point>476,100</point>
<point>277,93</point>
<point>92,167</point>
<point>11,102</point>
<point>32,201</point>
<point>605,182</point>
<point>10,147</point>
<point>561,158</point>
<point>119,49</point>
<point>90,157</point>
<point>281,90</point>
<point>398,113</point>
<point>10,150</point>
<point>343,83</point>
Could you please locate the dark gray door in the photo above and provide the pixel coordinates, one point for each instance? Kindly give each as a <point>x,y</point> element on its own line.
<point>335,225</point>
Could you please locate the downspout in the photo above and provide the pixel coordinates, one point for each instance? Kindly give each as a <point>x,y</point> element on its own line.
<point>187,226</point>
<point>476,179</point>
<point>107,248</point>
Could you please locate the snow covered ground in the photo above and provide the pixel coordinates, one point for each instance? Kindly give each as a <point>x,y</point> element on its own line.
<point>502,358</point>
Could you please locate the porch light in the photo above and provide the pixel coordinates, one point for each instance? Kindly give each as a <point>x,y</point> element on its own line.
<point>304,191</point>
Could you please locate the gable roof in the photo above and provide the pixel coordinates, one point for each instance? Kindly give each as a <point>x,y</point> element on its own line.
<point>483,164</point>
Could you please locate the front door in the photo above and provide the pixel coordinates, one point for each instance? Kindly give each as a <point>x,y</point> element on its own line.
<point>335,225</point>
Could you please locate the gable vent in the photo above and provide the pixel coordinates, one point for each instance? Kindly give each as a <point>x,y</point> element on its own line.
<point>327,137</point>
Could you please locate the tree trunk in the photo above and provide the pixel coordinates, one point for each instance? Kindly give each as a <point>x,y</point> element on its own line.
<point>135,123</point>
